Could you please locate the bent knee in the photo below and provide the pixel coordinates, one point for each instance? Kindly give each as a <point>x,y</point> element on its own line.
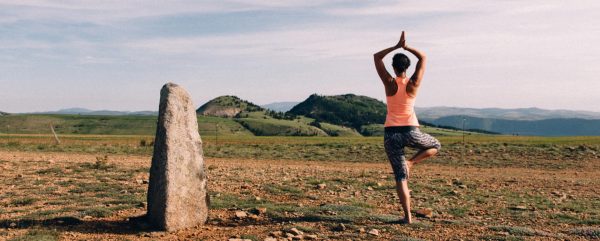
<point>437,146</point>
<point>433,151</point>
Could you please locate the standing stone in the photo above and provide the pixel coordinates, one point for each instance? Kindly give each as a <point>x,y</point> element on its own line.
<point>177,195</point>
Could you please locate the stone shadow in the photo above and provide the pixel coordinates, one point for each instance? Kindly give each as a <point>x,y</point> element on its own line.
<point>68,223</point>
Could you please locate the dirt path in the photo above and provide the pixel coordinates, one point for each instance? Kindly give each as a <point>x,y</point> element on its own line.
<point>39,189</point>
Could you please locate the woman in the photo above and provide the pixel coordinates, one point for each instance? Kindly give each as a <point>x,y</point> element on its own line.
<point>401,124</point>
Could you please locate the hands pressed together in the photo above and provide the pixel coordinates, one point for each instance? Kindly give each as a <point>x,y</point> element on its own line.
<point>402,42</point>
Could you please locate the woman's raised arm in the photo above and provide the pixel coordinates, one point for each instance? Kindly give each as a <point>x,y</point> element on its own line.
<point>416,78</point>
<point>378,58</point>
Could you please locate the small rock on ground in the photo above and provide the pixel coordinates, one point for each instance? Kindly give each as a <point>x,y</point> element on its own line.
<point>340,227</point>
<point>241,214</point>
<point>424,213</point>
<point>520,207</point>
<point>374,232</point>
<point>295,231</point>
<point>259,210</point>
<point>310,237</point>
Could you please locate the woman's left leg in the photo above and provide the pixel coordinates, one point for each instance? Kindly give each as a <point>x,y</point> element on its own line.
<point>394,148</point>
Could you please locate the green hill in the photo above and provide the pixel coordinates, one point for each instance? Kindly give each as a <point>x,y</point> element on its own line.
<point>3,113</point>
<point>276,127</point>
<point>346,110</point>
<point>227,106</point>
<point>263,122</point>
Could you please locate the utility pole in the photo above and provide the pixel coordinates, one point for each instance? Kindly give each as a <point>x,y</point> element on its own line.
<point>217,136</point>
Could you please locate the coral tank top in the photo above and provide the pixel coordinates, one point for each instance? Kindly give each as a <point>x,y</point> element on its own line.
<point>401,107</point>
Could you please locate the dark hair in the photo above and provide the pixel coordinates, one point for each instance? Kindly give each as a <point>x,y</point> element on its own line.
<point>400,62</point>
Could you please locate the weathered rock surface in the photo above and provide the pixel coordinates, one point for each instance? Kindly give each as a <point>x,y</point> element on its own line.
<point>177,195</point>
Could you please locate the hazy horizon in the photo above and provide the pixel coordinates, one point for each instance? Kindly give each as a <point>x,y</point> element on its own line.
<point>260,104</point>
<point>116,55</point>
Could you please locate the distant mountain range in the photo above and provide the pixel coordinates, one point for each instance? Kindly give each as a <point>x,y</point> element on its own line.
<point>547,127</point>
<point>359,112</point>
<point>83,111</point>
<point>280,106</point>
<point>429,113</point>
<point>523,121</point>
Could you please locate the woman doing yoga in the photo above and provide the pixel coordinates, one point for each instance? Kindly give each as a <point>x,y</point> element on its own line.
<point>401,124</point>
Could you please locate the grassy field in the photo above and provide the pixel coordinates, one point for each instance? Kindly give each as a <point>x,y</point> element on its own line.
<point>250,124</point>
<point>489,187</point>
<point>476,151</point>
<point>506,188</point>
<point>109,125</point>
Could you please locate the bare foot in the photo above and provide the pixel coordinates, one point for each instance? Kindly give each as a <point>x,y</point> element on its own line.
<point>405,221</point>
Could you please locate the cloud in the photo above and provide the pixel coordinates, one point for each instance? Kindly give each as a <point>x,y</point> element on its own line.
<point>111,11</point>
<point>404,8</point>
<point>311,43</point>
<point>485,46</point>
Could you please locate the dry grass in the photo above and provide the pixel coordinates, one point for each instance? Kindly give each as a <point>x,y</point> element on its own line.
<point>90,196</point>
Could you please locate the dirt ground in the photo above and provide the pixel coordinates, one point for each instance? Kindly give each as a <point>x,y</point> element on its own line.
<point>49,196</point>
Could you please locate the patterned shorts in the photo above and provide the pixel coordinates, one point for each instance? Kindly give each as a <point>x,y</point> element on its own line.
<point>395,141</point>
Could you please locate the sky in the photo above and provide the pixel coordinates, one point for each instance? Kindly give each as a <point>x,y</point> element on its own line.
<point>117,54</point>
